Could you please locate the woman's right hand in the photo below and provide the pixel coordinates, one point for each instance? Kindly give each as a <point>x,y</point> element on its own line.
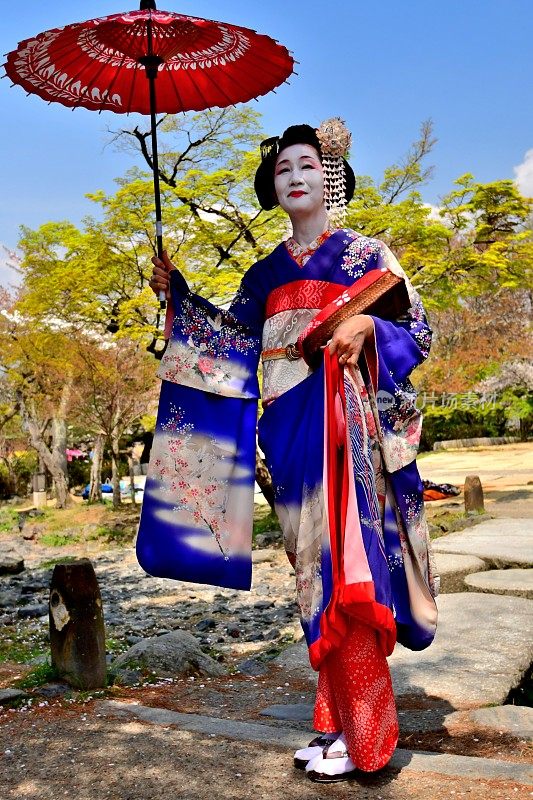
<point>159,282</point>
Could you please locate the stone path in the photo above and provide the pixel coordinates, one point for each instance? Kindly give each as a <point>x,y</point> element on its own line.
<point>483,647</point>
<point>500,542</point>
<point>517,720</point>
<point>516,582</point>
<point>444,764</point>
<point>453,570</point>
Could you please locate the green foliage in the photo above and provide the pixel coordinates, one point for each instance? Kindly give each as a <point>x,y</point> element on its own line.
<point>23,466</point>
<point>443,423</point>
<point>8,516</point>
<point>51,562</point>
<point>21,644</point>
<point>79,472</point>
<point>122,535</point>
<point>54,539</point>
<point>265,520</point>
<point>37,676</point>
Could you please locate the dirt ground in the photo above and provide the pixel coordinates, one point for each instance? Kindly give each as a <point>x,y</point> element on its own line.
<point>81,756</point>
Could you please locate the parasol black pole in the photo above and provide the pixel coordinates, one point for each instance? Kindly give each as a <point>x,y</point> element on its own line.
<point>151,64</point>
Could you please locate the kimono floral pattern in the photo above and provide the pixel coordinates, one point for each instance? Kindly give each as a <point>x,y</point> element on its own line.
<point>188,466</point>
<point>358,253</point>
<point>203,360</point>
<point>303,528</point>
<point>403,426</point>
<point>215,337</point>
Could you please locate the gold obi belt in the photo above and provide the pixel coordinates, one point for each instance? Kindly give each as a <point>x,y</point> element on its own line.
<point>290,352</point>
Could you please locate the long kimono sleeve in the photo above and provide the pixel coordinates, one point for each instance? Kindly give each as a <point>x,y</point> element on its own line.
<point>397,347</point>
<point>196,520</point>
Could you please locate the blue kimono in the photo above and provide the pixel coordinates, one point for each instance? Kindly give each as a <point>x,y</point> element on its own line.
<point>340,445</point>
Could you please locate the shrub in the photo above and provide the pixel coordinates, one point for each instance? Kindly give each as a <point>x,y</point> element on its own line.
<point>441,423</point>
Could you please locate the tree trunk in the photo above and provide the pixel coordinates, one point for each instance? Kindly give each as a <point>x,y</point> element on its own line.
<point>132,479</point>
<point>114,470</point>
<point>95,486</point>
<point>264,481</point>
<point>59,428</point>
<point>59,443</point>
<point>31,424</point>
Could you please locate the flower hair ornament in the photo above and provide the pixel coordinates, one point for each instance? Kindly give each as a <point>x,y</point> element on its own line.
<point>335,140</point>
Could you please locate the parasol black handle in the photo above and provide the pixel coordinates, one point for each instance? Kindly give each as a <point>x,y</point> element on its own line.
<point>151,64</point>
<point>148,5</point>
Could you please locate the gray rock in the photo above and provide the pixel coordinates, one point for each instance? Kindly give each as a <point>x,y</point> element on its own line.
<point>28,612</point>
<point>262,605</point>
<point>501,542</point>
<point>127,677</point>
<point>268,538</point>
<point>206,624</point>
<point>295,712</point>
<point>11,564</point>
<point>175,654</point>
<point>234,631</point>
<point>263,556</point>
<point>516,720</point>
<point>7,599</point>
<point>515,582</point>
<point>30,532</point>
<point>53,689</point>
<point>9,695</point>
<point>253,667</point>
<point>33,588</point>
<point>295,660</point>
<point>483,647</point>
<point>454,568</point>
<point>256,637</point>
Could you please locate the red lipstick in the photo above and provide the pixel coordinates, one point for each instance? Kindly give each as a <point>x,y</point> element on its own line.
<point>296,194</point>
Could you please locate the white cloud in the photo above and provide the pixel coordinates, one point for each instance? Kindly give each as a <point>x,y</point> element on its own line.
<point>524,174</point>
<point>434,212</point>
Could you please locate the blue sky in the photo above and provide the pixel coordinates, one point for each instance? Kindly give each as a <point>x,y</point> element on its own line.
<point>383,66</point>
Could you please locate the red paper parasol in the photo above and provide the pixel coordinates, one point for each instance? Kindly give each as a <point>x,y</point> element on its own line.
<point>102,64</point>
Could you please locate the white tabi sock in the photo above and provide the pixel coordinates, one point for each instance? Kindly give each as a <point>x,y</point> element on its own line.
<point>334,765</point>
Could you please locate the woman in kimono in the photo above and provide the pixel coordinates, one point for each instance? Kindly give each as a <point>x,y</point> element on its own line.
<point>340,431</point>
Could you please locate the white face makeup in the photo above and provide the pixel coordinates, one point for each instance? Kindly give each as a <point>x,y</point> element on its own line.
<point>299,180</point>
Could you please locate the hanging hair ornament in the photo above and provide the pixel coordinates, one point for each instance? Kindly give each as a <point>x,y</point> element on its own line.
<point>335,140</point>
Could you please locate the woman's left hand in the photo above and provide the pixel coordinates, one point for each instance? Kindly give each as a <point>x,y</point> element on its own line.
<point>349,337</point>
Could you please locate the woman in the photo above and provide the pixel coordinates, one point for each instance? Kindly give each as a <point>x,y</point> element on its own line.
<point>339,431</point>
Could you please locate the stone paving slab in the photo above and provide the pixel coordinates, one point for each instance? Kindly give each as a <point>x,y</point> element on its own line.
<point>514,582</point>
<point>453,569</point>
<point>501,542</point>
<point>444,764</point>
<point>483,647</point>
<point>516,720</point>
<point>293,712</point>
